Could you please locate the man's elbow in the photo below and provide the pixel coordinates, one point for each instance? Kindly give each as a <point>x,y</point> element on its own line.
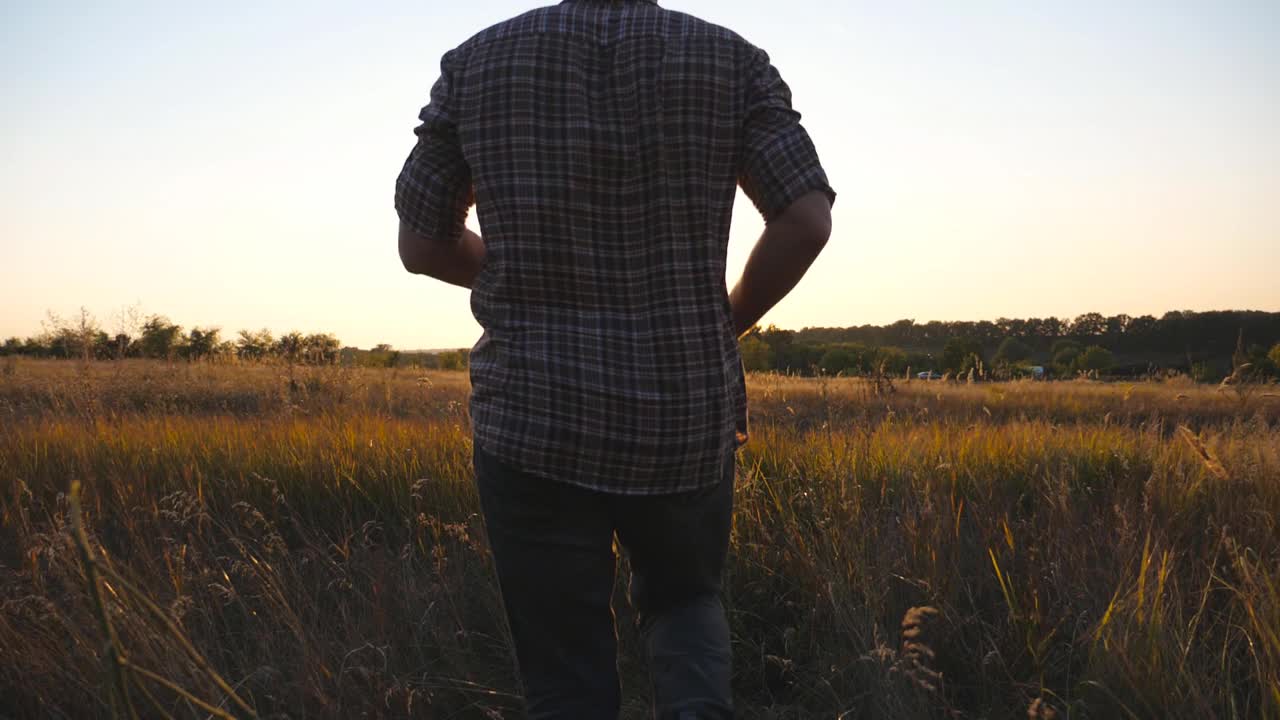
<point>413,253</point>
<point>809,220</point>
<point>819,230</point>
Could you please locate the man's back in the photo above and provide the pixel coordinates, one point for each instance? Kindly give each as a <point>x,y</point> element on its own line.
<point>604,142</point>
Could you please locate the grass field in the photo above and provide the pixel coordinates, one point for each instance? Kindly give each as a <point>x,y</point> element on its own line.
<point>304,542</point>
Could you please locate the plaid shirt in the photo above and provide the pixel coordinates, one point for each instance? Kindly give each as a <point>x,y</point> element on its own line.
<point>602,143</point>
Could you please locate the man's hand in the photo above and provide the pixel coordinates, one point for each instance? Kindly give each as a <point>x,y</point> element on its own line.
<point>457,261</point>
<point>782,255</point>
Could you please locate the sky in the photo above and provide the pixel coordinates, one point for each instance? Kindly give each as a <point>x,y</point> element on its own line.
<point>232,164</point>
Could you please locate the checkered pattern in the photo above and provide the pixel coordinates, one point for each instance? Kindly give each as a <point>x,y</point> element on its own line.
<point>602,143</point>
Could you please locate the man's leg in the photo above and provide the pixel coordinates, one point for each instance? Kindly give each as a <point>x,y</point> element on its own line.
<point>677,546</point>
<point>553,547</point>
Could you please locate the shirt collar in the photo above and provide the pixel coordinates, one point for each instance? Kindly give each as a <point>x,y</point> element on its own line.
<point>649,2</point>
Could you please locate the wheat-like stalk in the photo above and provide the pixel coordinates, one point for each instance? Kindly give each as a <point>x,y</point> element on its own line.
<point>1211,463</point>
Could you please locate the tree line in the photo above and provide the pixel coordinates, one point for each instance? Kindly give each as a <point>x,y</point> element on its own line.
<point>1205,345</point>
<point>134,335</point>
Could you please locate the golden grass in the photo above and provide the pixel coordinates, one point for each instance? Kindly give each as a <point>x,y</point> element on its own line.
<point>307,540</point>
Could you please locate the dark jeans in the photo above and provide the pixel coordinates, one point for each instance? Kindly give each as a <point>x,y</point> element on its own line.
<point>553,547</point>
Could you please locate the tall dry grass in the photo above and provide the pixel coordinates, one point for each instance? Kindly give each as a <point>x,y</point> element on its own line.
<point>306,542</point>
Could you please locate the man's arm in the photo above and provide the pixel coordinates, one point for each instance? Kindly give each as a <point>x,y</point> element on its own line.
<point>780,171</point>
<point>434,192</point>
<point>456,262</point>
<point>782,255</point>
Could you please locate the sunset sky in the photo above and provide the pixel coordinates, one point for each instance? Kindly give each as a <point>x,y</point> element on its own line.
<point>232,164</point>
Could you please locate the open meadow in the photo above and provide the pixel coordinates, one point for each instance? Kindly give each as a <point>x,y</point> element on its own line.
<point>285,541</point>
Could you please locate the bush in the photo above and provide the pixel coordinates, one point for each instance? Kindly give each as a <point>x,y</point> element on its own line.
<point>1095,359</point>
<point>1012,351</point>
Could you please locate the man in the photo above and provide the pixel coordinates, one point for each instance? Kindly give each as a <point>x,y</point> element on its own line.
<point>602,143</point>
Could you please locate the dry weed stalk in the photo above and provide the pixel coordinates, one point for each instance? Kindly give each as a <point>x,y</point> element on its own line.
<point>917,659</point>
<point>1040,709</point>
<point>117,664</point>
<point>117,658</point>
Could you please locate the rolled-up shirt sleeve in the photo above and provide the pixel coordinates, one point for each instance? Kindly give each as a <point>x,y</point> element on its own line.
<point>433,191</point>
<point>779,163</point>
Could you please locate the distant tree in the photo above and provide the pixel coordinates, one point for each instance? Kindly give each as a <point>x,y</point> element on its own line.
<point>756,354</point>
<point>36,346</point>
<point>383,355</point>
<point>12,346</point>
<point>104,346</point>
<point>855,358</point>
<point>1117,324</point>
<point>790,355</point>
<point>892,359</point>
<point>61,344</point>
<point>986,332</point>
<point>128,324</point>
<point>1095,359</point>
<point>838,360</point>
<point>1141,325</point>
<point>254,345</point>
<point>86,334</point>
<point>960,355</point>
<point>321,348</point>
<point>160,338</point>
<point>1015,327</point>
<point>1274,355</point>
<point>1089,324</point>
<point>71,338</point>
<point>1065,356</point>
<point>901,332</point>
<point>1012,351</point>
<point>201,343</point>
<point>778,340</point>
<point>932,332</point>
<point>289,347</point>
<point>122,346</point>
